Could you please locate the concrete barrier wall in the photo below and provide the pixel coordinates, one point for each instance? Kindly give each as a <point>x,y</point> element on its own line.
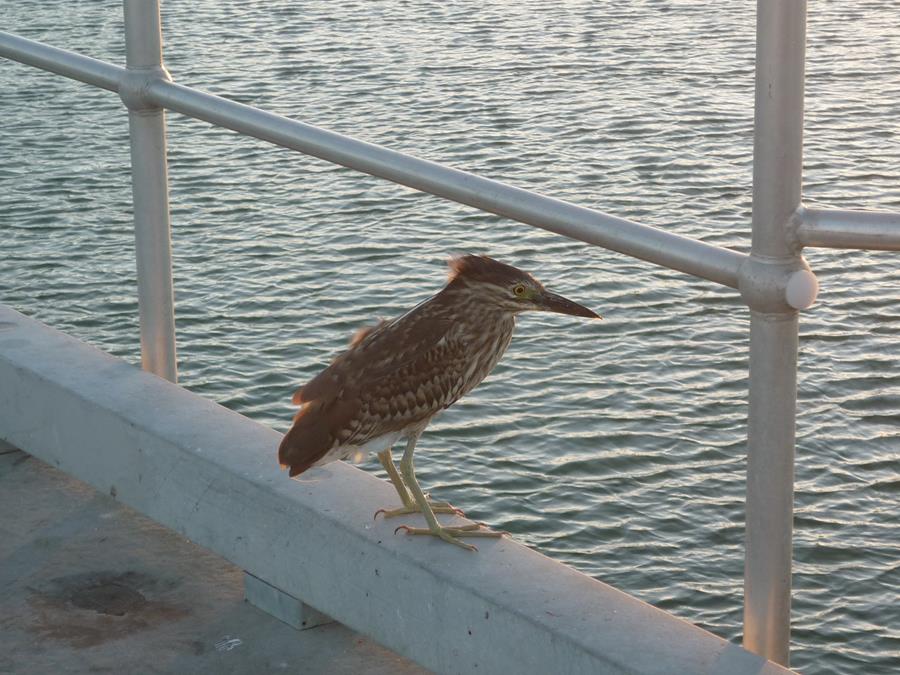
<point>212,475</point>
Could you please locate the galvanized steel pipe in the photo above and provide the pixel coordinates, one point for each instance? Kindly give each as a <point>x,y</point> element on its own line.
<point>595,227</point>
<point>641,241</point>
<point>150,188</point>
<point>777,173</point>
<point>835,228</point>
<point>61,61</point>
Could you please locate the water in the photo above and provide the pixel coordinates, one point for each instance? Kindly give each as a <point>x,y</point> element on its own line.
<point>615,446</point>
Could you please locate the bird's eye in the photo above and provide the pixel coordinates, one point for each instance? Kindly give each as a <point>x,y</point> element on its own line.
<point>519,290</point>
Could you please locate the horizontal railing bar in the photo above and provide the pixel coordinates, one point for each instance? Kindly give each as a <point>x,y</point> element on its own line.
<point>594,227</point>
<point>836,228</point>
<point>61,61</point>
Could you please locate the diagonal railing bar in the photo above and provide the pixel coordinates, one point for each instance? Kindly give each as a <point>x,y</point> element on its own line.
<point>595,227</point>
<point>832,228</point>
<point>61,61</point>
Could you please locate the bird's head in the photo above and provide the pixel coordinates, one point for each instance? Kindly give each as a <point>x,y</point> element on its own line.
<point>508,288</point>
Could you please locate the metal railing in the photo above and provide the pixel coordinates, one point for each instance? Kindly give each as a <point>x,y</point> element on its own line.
<point>774,280</point>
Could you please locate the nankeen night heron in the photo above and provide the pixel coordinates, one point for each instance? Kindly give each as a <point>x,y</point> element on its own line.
<point>398,375</point>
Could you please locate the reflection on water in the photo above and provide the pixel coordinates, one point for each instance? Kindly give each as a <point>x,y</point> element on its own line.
<point>616,446</point>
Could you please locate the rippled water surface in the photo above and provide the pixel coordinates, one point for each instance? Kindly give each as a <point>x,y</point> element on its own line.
<point>615,446</point>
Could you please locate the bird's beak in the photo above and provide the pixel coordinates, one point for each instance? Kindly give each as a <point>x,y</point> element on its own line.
<point>552,302</point>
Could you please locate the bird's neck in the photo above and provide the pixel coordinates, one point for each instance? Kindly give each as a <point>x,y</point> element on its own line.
<point>467,308</point>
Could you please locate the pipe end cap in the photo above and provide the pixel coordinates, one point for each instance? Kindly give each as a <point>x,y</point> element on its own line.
<point>802,289</point>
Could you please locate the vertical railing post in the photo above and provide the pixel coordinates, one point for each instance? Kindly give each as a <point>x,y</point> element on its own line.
<point>774,266</point>
<point>150,188</point>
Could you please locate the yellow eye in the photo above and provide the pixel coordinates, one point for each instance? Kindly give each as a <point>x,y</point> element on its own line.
<point>519,290</point>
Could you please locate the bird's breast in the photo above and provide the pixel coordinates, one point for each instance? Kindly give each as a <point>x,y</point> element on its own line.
<point>486,347</point>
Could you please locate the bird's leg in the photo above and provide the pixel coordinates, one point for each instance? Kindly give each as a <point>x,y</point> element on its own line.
<point>435,529</point>
<point>409,504</point>
<point>387,461</point>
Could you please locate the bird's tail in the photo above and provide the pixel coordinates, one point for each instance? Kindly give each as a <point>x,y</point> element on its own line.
<point>306,442</point>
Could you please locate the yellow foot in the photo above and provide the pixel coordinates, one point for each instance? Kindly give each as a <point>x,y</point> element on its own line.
<point>450,534</point>
<point>436,507</point>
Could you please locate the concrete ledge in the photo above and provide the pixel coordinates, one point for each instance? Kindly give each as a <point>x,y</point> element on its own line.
<point>211,475</point>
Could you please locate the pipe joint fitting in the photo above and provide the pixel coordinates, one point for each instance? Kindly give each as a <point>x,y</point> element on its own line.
<point>135,85</point>
<point>777,285</point>
<point>792,229</point>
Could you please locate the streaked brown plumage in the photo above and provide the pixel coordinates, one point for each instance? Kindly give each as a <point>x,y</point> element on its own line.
<point>397,375</point>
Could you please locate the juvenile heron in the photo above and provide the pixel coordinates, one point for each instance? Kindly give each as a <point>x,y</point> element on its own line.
<point>398,375</point>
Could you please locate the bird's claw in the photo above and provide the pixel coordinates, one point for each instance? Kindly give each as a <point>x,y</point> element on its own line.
<point>436,507</point>
<point>450,534</point>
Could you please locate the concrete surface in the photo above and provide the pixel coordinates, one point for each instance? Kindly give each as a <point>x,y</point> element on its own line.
<point>90,586</point>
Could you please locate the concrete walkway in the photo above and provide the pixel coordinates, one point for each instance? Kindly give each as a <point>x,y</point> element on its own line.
<point>88,585</point>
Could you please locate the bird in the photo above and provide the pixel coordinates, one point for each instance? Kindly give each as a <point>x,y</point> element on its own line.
<point>398,374</point>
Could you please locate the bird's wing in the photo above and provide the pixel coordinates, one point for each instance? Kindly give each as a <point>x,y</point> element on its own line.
<point>426,382</point>
<point>374,389</point>
<point>374,353</point>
